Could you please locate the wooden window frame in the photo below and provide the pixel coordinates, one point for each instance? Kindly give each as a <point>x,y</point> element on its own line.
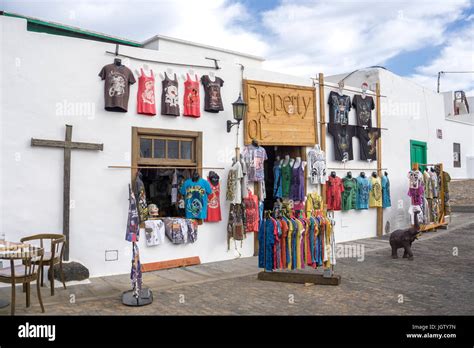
<point>167,134</point>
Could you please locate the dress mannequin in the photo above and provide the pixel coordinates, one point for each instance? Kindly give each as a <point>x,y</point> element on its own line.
<point>286,160</point>
<point>364,88</point>
<point>298,162</point>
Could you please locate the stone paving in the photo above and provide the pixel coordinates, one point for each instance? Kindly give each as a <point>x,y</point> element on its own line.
<point>435,283</point>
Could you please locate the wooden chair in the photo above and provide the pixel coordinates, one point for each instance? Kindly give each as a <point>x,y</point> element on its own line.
<point>53,257</point>
<point>25,273</point>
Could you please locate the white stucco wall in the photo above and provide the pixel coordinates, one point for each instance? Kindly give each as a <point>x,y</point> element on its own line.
<point>40,74</point>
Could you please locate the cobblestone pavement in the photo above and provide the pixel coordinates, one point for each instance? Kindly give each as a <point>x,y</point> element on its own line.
<point>435,283</point>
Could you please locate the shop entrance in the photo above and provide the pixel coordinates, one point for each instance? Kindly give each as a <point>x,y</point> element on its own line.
<point>277,153</point>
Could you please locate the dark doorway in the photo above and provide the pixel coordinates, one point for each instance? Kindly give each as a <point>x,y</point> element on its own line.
<point>272,153</point>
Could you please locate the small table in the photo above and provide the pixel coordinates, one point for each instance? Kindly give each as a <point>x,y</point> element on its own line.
<point>8,252</point>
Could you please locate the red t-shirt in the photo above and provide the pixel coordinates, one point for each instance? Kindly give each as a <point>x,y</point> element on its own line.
<point>146,94</point>
<point>251,212</point>
<point>334,189</point>
<point>191,97</point>
<point>214,204</point>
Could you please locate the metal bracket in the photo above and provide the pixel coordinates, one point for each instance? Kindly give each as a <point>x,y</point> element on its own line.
<point>216,65</point>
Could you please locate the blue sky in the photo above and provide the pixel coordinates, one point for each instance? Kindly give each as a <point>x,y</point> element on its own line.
<point>415,39</point>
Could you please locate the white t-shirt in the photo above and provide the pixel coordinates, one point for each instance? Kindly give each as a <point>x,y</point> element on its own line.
<point>154,232</point>
<point>235,186</point>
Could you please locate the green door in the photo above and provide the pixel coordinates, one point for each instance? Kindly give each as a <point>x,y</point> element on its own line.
<point>418,153</point>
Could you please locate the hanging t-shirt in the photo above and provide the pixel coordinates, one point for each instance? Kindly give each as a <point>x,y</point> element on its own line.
<point>214,204</point>
<point>169,96</point>
<point>254,158</point>
<point>146,94</point>
<point>368,142</point>
<point>277,192</point>
<point>334,189</point>
<point>195,196</point>
<point>251,212</point>
<point>212,94</point>
<point>434,184</point>
<point>234,193</point>
<point>386,202</point>
<point>154,232</point>
<point>285,179</point>
<point>415,178</point>
<point>417,195</point>
<point>339,107</point>
<point>363,107</point>
<point>118,79</point>
<point>317,166</point>
<point>349,194</point>
<point>342,136</point>
<point>363,188</point>
<point>313,202</point>
<point>191,97</point>
<point>375,196</point>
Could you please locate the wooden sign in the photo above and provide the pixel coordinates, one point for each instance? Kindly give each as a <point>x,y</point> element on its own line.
<point>279,114</point>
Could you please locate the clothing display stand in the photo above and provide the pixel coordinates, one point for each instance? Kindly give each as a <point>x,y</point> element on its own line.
<point>441,223</point>
<point>299,276</point>
<point>145,295</point>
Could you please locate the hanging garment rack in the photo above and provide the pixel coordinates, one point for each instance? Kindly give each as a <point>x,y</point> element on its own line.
<point>347,89</point>
<point>216,65</point>
<point>150,167</point>
<point>354,125</point>
<point>374,169</point>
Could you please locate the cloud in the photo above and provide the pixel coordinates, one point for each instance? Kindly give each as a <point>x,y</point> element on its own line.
<point>340,36</point>
<point>297,37</point>
<point>456,55</point>
<point>214,22</point>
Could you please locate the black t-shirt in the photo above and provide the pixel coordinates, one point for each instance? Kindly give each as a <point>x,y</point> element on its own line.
<point>212,94</point>
<point>368,142</point>
<point>363,107</point>
<point>339,107</point>
<point>169,96</point>
<point>342,135</point>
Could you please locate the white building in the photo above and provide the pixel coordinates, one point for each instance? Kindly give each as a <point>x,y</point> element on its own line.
<point>49,81</point>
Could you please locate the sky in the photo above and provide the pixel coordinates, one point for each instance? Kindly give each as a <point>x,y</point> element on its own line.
<point>415,39</point>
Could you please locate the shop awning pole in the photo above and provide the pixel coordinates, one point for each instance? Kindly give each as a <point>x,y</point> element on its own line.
<point>379,159</point>
<point>176,167</point>
<point>322,128</point>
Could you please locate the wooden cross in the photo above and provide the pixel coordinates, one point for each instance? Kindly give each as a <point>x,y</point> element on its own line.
<point>67,145</point>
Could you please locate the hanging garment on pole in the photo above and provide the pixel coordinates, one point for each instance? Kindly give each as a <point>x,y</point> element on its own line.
<point>317,166</point>
<point>297,183</point>
<point>169,96</point>
<point>133,223</point>
<point>236,224</point>
<point>266,239</point>
<point>191,97</point>
<point>146,94</point>
<point>386,202</point>
<point>334,189</point>
<point>363,188</point>
<point>141,196</point>
<point>375,196</point>
<point>349,194</point>
<point>277,189</point>
<point>136,273</point>
<point>285,180</point>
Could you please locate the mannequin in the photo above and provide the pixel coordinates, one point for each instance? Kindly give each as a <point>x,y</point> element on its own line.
<point>349,175</point>
<point>286,160</point>
<point>299,163</point>
<point>386,174</point>
<point>117,61</point>
<point>195,176</point>
<point>255,143</point>
<point>333,174</point>
<point>362,174</point>
<point>432,169</point>
<point>374,174</point>
<point>212,76</point>
<point>292,161</point>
